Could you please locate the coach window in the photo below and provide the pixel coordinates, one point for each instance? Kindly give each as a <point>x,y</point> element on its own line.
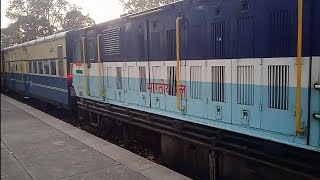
<point>40,67</point>
<point>35,67</point>
<point>91,50</point>
<point>46,67</point>
<point>60,61</point>
<point>30,67</point>
<point>53,67</point>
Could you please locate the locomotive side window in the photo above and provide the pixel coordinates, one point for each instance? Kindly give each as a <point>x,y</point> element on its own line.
<point>171,70</point>
<point>171,44</point>
<point>142,79</point>
<point>119,78</point>
<point>131,83</point>
<point>60,61</point>
<point>40,67</point>
<point>109,74</point>
<point>218,83</point>
<point>195,84</point>
<point>77,51</point>
<point>53,67</point>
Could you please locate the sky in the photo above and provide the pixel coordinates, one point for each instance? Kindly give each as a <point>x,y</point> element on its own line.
<point>99,10</point>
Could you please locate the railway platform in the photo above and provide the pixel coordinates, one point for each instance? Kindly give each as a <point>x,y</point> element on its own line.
<point>35,145</point>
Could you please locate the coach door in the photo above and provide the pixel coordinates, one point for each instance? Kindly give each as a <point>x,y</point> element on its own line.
<point>92,65</point>
<point>25,74</point>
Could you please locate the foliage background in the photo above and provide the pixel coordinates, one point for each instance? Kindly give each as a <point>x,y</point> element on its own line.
<point>32,19</point>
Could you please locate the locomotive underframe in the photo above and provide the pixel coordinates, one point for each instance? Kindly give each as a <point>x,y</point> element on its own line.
<point>203,152</point>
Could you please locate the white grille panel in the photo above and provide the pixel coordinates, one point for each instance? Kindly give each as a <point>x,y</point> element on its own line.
<point>245,85</point>
<point>218,83</point>
<point>278,86</point>
<point>196,80</point>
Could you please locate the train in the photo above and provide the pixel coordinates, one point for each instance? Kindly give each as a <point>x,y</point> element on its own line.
<point>238,81</point>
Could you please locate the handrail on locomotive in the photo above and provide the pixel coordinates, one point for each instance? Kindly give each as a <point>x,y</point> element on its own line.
<point>99,68</point>
<point>84,65</point>
<point>299,129</point>
<point>181,108</point>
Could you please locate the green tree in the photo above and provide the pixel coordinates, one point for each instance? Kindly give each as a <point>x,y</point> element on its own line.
<point>74,19</point>
<point>34,19</point>
<point>132,6</point>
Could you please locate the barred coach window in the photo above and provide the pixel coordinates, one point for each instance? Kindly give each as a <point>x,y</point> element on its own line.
<point>40,67</point>
<point>60,61</point>
<point>30,67</point>
<point>46,67</point>
<point>53,67</point>
<point>35,67</point>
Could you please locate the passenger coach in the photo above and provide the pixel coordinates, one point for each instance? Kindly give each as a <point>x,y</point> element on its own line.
<point>40,69</point>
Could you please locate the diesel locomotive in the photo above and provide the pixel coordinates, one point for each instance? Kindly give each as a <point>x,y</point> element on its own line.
<point>232,86</point>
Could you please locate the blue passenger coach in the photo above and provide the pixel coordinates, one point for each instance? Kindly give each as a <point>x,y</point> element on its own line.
<point>40,69</point>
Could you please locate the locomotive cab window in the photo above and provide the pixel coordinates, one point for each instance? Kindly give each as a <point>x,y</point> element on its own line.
<point>91,50</point>
<point>77,51</point>
<point>119,78</point>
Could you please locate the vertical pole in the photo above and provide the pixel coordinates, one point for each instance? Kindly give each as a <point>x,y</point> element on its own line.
<point>178,63</point>
<point>299,63</point>
<point>99,66</point>
<point>84,65</point>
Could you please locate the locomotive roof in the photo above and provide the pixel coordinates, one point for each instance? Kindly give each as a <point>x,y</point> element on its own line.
<point>40,40</point>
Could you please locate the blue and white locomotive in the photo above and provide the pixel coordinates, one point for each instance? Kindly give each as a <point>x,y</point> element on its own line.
<point>251,68</point>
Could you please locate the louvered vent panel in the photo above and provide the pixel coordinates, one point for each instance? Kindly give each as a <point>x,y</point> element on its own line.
<point>111,38</point>
<point>245,44</point>
<point>218,34</point>
<point>278,86</point>
<point>245,85</point>
<point>171,44</point>
<point>171,70</point>
<point>218,83</point>
<point>195,82</point>
<point>280,32</point>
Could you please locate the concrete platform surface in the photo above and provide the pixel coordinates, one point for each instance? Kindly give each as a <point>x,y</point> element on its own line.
<point>35,145</point>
